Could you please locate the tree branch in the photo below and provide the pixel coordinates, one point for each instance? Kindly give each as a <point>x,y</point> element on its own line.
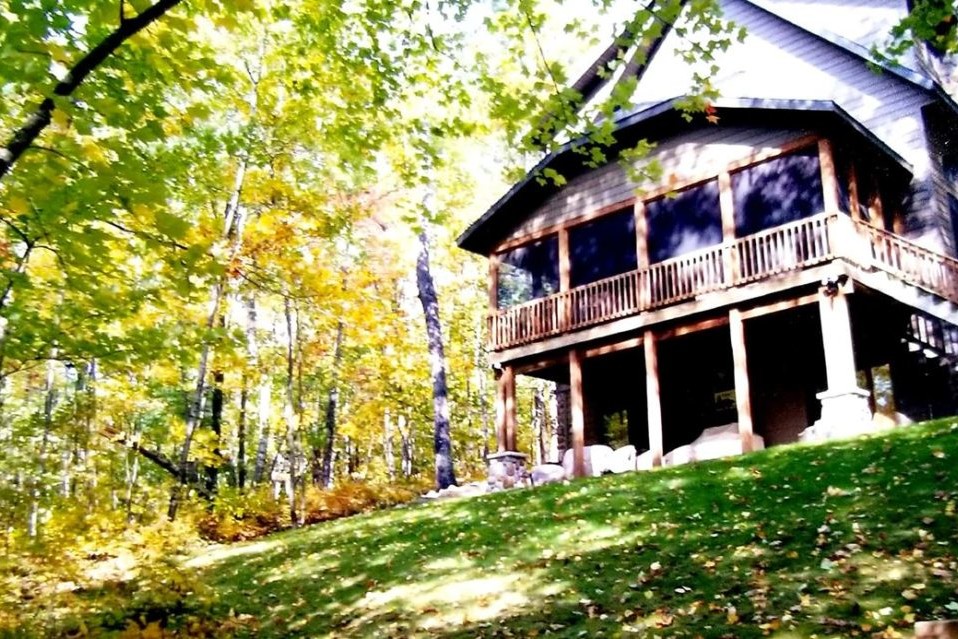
<point>41,118</point>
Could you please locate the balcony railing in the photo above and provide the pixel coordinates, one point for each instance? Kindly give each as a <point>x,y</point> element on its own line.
<point>782,249</point>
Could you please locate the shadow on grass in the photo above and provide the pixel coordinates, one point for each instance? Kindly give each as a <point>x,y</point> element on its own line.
<point>846,538</point>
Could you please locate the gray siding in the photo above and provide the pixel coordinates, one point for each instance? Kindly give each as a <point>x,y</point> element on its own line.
<point>779,61</point>
<point>684,157</point>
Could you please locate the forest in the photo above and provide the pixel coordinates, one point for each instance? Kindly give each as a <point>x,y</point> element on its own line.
<point>228,274</point>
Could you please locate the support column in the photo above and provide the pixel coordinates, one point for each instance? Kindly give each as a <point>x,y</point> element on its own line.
<point>652,397</point>
<point>565,279</point>
<point>578,413</point>
<point>837,339</point>
<point>505,409</point>
<point>826,159</point>
<point>642,253</point>
<point>727,207</point>
<point>845,410</point>
<point>743,398</point>
<point>509,375</point>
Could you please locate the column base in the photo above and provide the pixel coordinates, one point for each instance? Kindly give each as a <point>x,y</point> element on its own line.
<point>845,413</point>
<point>507,470</point>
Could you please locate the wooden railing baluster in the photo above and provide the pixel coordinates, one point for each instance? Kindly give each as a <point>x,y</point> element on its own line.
<point>785,248</point>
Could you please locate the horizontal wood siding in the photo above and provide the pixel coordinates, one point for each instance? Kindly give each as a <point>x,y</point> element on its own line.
<point>852,20</point>
<point>778,61</point>
<point>781,61</point>
<point>684,157</point>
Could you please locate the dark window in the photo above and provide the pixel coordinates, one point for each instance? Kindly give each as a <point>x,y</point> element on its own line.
<point>529,272</point>
<point>776,192</point>
<point>603,248</point>
<point>685,222</point>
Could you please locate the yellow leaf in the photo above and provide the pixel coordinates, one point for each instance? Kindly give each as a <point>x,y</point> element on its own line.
<point>152,631</point>
<point>61,120</point>
<point>18,204</point>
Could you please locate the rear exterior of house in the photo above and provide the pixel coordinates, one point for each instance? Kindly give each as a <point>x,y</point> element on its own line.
<point>792,275</point>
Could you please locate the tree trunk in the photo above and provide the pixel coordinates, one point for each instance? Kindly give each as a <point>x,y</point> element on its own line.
<point>23,137</point>
<point>405,447</point>
<point>483,400</point>
<point>49,401</point>
<point>194,411</point>
<point>133,475</point>
<point>389,457</point>
<point>538,426</point>
<point>264,405</point>
<point>553,424</point>
<point>216,425</point>
<point>241,435</point>
<point>289,413</point>
<point>233,218</point>
<point>442,438</point>
<point>330,424</point>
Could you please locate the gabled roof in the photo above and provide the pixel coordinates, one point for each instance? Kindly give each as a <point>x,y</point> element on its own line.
<point>481,235</point>
<point>593,79</point>
<point>662,119</point>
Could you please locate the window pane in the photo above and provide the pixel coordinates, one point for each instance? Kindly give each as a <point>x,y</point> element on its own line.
<point>777,192</point>
<point>603,248</point>
<point>529,272</point>
<point>689,221</point>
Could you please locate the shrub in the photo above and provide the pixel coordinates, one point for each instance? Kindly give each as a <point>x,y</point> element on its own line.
<point>241,516</point>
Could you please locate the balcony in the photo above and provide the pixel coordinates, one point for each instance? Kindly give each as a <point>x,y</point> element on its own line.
<point>753,258</point>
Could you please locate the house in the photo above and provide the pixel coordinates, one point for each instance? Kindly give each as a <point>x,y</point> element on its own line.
<point>793,274</point>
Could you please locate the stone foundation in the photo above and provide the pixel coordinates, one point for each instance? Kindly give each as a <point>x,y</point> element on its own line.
<point>507,470</point>
<point>845,413</point>
<point>563,418</point>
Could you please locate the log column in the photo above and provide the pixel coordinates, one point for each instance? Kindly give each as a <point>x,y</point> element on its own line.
<point>845,410</point>
<point>577,408</point>
<point>642,254</point>
<point>653,400</point>
<point>565,279</point>
<point>727,207</point>
<point>826,159</point>
<point>743,398</point>
<point>509,374</point>
<point>506,409</point>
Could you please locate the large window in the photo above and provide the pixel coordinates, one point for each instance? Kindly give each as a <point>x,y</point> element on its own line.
<point>776,192</point>
<point>603,248</point>
<point>685,222</point>
<point>528,272</point>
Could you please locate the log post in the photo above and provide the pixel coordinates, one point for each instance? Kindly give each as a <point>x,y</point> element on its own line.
<point>727,206</point>
<point>653,400</point>
<point>565,280</point>
<point>743,401</point>
<point>642,255</point>
<point>837,338</point>
<point>578,413</point>
<point>845,410</point>
<point>505,409</point>
<point>509,405</point>
<point>854,201</point>
<point>826,159</point>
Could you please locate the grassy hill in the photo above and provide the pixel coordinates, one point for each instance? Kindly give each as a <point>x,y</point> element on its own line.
<point>855,538</point>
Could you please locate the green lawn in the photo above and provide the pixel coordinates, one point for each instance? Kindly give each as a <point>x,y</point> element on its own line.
<point>847,539</point>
